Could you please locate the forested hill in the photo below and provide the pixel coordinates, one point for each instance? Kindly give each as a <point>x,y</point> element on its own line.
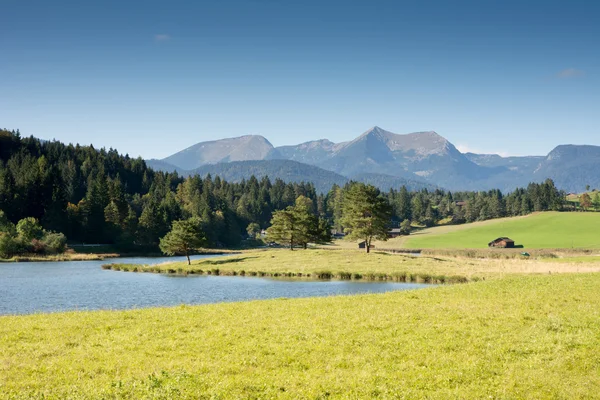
<point>99,196</point>
<point>53,182</point>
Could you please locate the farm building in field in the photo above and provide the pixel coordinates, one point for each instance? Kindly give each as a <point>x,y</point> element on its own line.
<point>363,245</point>
<point>502,242</point>
<point>394,232</point>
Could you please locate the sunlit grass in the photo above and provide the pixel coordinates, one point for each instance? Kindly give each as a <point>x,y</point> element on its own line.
<point>516,337</point>
<point>539,230</point>
<point>359,265</point>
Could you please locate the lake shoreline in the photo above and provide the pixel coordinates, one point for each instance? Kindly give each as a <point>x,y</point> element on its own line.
<point>99,256</point>
<point>396,277</point>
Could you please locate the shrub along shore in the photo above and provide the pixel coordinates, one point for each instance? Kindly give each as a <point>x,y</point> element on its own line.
<point>59,257</point>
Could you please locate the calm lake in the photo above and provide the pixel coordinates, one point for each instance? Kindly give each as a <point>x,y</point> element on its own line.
<point>32,287</point>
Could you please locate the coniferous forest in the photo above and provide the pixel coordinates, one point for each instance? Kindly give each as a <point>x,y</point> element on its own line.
<point>100,196</point>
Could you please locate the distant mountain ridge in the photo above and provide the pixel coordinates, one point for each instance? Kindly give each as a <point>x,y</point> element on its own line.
<point>243,148</point>
<point>423,159</point>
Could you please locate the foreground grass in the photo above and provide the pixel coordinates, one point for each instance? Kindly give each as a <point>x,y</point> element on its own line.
<point>351,264</point>
<point>517,337</point>
<point>536,231</point>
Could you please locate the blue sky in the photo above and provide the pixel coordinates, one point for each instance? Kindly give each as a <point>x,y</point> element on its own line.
<point>153,77</point>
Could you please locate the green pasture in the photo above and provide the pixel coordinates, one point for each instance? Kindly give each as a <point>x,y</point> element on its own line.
<point>530,336</point>
<point>537,231</point>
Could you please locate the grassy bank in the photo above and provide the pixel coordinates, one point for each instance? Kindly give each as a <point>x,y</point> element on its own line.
<point>535,231</point>
<point>60,257</point>
<point>350,264</point>
<point>99,253</point>
<point>517,337</point>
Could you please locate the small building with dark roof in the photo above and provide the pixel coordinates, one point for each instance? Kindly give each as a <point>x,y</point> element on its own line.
<point>503,243</point>
<point>363,245</point>
<point>394,232</point>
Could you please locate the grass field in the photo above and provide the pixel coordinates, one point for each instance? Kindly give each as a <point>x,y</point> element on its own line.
<point>346,264</point>
<point>540,230</point>
<point>517,337</point>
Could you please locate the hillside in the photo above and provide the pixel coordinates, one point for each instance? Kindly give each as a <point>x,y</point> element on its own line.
<point>387,182</point>
<point>571,167</point>
<point>286,170</point>
<point>292,171</point>
<point>540,230</point>
<point>160,165</point>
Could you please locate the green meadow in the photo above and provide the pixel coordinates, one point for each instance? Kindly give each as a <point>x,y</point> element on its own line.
<point>514,328</point>
<point>536,231</point>
<point>357,265</point>
<point>530,336</point>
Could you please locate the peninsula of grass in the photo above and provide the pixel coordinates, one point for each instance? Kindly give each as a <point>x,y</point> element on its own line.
<point>547,230</point>
<point>356,265</point>
<point>517,337</point>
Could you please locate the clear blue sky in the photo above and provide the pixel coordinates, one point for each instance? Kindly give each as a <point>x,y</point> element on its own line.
<point>153,77</point>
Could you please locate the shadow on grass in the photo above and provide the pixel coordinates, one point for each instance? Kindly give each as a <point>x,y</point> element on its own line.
<point>230,261</point>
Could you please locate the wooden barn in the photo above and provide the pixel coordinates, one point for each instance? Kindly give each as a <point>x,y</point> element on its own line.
<point>394,232</point>
<point>363,245</point>
<point>503,243</point>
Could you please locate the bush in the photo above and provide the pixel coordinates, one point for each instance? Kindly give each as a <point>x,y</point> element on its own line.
<point>36,246</point>
<point>54,243</point>
<point>9,245</point>
<point>29,229</point>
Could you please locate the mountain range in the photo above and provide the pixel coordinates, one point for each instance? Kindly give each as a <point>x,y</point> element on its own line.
<point>417,160</point>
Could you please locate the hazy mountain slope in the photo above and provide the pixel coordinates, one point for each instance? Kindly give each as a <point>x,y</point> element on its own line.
<point>387,182</point>
<point>572,167</point>
<point>313,152</point>
<point>286,170</point>
<point>290,171</point>
<point>243,148</point>
<point>523,164</point>
<point>160,165</point>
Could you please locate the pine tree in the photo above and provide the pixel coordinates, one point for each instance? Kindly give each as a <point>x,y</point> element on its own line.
<point>185,237</point>
<point>283,229</point>
<point>366,214</point>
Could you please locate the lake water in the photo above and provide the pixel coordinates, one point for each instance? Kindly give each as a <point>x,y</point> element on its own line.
<point>32,287</point>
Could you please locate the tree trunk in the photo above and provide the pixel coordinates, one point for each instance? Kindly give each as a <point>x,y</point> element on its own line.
<point>368,246</point>
<point>188,257</point>
<point>305,246</point>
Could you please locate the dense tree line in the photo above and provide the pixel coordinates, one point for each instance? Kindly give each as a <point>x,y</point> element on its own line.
<point>99,196</point>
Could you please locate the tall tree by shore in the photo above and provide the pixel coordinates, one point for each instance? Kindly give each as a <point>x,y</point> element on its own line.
<point>366,214</point>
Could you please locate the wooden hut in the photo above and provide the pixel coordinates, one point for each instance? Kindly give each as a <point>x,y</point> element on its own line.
<point>503,243</point>
<point>394,232</point>
<point>363,245</point>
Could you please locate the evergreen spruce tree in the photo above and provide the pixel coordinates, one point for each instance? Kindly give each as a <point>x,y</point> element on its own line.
<point>366,214</point>
<point>185,237</point>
